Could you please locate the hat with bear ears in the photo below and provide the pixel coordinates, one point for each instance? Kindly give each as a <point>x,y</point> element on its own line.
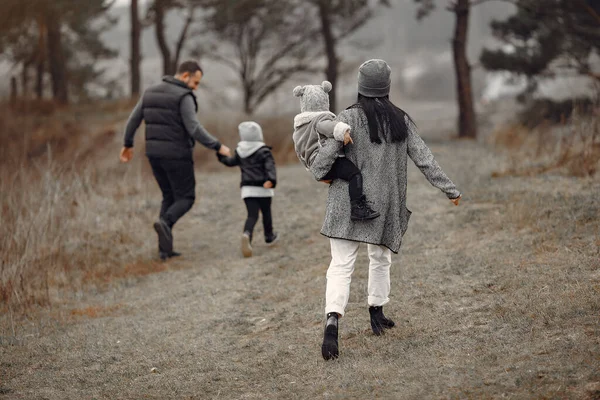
<point>313,98</point>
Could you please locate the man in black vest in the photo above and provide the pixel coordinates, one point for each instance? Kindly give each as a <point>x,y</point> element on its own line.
<point>169,110</point>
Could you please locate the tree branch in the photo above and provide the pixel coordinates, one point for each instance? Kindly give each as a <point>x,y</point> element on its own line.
<point>355,25</point>
<point>223,60</point>
<point>284,75</point>
<point>183,35</point>
<point>589,9</point>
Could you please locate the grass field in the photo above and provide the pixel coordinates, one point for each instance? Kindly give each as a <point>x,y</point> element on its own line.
<point>497,298</point>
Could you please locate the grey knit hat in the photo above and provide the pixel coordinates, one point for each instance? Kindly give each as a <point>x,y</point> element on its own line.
<point>250,131</point>
<point>374,78</point>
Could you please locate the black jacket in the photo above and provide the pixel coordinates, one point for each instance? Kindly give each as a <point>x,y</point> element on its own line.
<point>166,136</point>
<point>256,169</point>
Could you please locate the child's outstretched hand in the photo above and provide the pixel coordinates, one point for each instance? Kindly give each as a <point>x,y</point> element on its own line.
<point>347,138</point>
<point>456,200</point>
<point>268,185</point>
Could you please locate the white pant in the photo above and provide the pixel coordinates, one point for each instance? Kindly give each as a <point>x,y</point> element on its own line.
<point>339,275</point>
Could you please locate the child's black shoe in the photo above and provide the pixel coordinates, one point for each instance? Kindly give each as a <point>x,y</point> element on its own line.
<point>271,239</point>
<point>378,321</point>
<point>361,210</point>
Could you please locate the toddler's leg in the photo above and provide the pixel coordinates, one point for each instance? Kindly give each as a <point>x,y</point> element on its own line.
<point>265,209</point>
<point>253,206</point>
<point>355,187</point>
<point>360,208</point>
<point>346,170</point>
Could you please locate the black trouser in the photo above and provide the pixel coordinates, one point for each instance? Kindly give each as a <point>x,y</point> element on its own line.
<point>346,170</point>
<point>178,185</point>
<point>253,205</point>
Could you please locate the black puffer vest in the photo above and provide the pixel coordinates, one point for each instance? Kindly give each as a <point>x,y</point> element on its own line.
<point>166,136</point>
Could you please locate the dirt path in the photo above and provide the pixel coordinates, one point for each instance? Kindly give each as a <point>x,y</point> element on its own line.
<point>489,303</point>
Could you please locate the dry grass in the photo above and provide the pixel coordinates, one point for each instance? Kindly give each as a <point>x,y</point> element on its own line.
<point>95,311</point>
<point>572,148</point>
<point>65,211</point>
<point>59,216</point>
<point>497,298</point>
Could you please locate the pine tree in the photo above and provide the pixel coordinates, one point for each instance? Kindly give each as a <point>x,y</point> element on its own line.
<point>547,38</point>
<point>60,36</point>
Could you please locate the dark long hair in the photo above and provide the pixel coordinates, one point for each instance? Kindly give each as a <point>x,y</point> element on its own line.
<point>381,113</point>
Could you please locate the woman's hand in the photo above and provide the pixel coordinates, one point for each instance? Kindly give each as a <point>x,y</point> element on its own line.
<point>268,185</point>
<point>456,200</point>
<point>327,181</point>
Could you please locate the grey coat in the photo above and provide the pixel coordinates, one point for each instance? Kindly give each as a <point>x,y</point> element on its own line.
<point>384,170</point>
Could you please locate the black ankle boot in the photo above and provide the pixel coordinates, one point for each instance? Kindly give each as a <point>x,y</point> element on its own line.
<point>329,348</point>
<point>378,321</point>
<point>361,210</point>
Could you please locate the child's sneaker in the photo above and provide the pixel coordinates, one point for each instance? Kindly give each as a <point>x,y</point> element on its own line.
<point>247,244</point>
<point>272,239</point>
<point>361,210</point>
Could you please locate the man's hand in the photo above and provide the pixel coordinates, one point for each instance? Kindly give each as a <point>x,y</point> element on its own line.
<point>224,151</point>
<point>456,200</point>
<point>326,181</point>
<point>126,154</point>
<point>268,185</point>
<point>347,138</point>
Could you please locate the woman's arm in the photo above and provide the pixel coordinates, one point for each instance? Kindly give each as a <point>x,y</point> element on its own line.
<point>423,159</point>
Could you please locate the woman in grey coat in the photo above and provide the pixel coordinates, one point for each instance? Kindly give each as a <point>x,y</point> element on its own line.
<point>384,138</point>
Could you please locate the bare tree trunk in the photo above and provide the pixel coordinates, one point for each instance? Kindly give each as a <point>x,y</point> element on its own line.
<point>136,56</point>
<point>331,72</point>
<point>13,90</point>
<point>39,78</point>
<point>25,79</point>
<point>56,59</point>
<point>467,124</point>
<point>248,94</point>
<point>41,59</point>
<point>161,39</point>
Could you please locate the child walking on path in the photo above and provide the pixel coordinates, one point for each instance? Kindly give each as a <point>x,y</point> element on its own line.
<point>259,178</point>
<point>312,127</point>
